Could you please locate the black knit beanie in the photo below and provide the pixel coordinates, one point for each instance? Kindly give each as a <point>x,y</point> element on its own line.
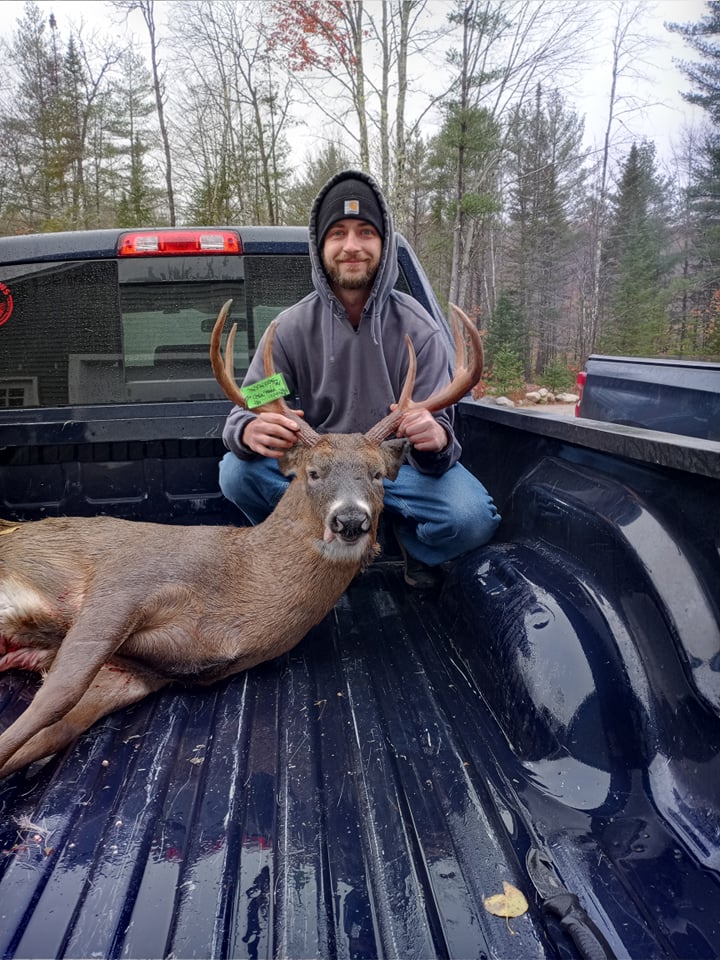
<point>349,198</point>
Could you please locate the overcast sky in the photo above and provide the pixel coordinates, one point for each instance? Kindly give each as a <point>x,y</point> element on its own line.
<point>667,112</point>
<point>662,120</point>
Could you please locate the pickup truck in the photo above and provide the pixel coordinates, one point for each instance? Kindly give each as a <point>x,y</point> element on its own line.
<point>545,724</point>
<point>674,396</point>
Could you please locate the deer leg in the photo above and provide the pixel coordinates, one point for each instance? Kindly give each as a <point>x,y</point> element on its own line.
<point>77,662</point>
<point>114,687</point>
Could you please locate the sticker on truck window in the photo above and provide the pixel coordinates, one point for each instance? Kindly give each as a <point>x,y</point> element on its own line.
<point>6,304</point>
<point>264,391</point>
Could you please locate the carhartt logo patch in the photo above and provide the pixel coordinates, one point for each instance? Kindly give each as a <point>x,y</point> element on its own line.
<point>352,207</point>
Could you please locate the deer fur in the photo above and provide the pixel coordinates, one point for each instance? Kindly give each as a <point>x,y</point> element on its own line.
<point>111,610</point>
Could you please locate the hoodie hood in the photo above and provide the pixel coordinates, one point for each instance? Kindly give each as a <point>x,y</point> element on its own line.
<point>387,272</point>
<point>344,377</point>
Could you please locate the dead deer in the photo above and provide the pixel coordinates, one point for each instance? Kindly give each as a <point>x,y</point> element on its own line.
<point>111,610</point>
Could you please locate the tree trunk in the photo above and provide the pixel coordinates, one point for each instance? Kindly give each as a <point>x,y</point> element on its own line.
<point>148,11</point>
<point>400,174</point>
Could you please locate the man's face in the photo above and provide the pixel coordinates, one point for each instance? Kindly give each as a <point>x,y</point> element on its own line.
<point>351,253</point>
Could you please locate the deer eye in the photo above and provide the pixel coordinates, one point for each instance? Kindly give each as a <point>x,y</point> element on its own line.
<point>313,474</point>
<point>379,475</point>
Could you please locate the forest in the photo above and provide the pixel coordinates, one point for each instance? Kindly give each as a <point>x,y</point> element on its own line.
<point>188,112</point>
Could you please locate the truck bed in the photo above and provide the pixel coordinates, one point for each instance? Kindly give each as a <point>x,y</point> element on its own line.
<point>325,804</point>
<point>362,795</point>
<point>351,799</point>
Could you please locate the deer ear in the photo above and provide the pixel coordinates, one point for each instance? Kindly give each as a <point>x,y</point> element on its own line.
<point>393,453</point>
<point>292,458</point>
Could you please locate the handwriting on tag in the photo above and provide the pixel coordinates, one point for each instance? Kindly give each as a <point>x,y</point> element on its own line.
<point>264,391</point>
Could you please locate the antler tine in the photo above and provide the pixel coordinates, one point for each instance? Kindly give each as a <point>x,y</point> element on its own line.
<point>387,426</point>
<point>224,374</point>
<point>466,376</point>
<point>229,364</point>
<point>307,435</point>
<point>223,369</point>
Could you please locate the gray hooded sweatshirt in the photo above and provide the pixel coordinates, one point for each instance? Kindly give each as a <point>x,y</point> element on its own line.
<point>345,378</point>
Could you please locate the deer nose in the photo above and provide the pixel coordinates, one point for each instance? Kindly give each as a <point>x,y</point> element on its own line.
<point>350,524</point>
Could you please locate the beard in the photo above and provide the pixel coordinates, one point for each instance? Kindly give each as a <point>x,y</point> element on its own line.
<point>354,281</point>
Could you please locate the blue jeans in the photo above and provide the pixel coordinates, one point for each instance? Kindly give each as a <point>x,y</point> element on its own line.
<point>443,516</point>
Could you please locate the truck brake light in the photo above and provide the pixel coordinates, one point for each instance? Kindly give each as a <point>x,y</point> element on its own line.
<point>168,243</point>
<point>579,384</point>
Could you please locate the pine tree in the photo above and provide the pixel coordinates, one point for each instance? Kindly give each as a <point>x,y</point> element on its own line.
<point>704,76</point>
<point>702,335</point>
<point>210,200</point>
<point>328,161</point>
<point>700,330</point>
<point>474,134</point>
<point>507,329</point>
<point>54,127</point>
<point>132,112</point>
<point>139,202</point>
<point>545,173</point>
<point>637,266</point>
<point>73,120</point>
<point>32,142</point>
<point>506,376</point>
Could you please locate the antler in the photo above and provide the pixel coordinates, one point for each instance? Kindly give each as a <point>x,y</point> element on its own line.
<point>466,376</point>
<point>223,370</point>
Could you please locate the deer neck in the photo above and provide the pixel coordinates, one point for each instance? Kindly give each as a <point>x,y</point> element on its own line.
<point>289,556</point>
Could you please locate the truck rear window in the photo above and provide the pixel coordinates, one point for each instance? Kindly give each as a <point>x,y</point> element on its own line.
<point>108,331</point>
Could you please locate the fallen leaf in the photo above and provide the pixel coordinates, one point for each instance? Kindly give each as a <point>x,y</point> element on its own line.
<point>511,903</point>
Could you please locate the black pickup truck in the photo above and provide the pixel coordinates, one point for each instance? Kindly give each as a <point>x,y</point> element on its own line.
<point>547,721</point>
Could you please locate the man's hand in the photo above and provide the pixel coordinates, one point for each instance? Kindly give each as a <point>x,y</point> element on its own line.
<point>271,434</point>
<point>423,431</point>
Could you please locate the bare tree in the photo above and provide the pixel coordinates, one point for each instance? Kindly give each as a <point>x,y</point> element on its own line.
<point>86,74</point>
<point>49,118</point>
<point>245,108</point>
<point>629,45</point>
<point>325,39</point>
<point>402,34</point>
<point>351,60</point>
<point>505,49</point>
<point>147,9</point>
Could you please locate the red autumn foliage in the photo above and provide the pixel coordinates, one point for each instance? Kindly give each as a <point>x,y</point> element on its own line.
<point>312,34</point>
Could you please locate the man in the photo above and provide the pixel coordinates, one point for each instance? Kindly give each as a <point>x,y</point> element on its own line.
<point>342,352</point>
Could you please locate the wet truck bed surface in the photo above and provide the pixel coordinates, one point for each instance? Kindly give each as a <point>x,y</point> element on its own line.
<point>359,797</point>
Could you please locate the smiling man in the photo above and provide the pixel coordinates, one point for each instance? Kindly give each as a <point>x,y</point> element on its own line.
<point>342,352</point>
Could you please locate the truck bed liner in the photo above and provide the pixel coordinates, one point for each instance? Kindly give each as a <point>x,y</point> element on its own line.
<point>270,775</point>
<point>304,809</point>
<point>354,798</point>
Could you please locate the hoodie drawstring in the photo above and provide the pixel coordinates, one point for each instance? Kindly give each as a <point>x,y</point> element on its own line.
<point>333,321</point>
